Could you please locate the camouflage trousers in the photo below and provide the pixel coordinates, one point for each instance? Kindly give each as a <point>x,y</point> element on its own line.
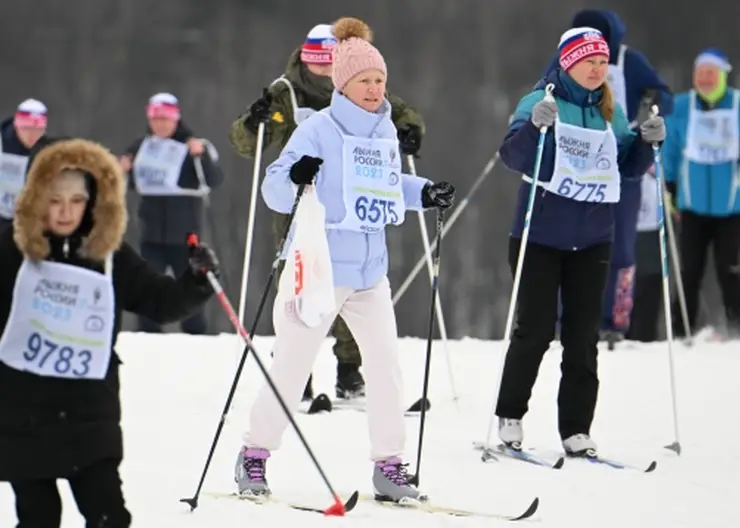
<point>345,348</point>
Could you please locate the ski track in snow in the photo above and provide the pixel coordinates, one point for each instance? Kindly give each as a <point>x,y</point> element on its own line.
<point>174,388</point>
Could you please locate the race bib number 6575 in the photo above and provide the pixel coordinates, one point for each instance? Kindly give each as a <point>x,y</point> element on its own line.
<point>376,210</point>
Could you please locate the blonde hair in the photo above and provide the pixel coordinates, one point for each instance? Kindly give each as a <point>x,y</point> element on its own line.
<point>606,105</point>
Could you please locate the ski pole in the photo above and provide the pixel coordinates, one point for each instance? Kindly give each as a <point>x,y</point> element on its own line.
<point>450,221</point>
<point>205,190</point>
<point>337,508</point>
<point>675,259</point>
<point>427,365</point>
<point>250,222</point>
<point>438,303</point>
<point>193,502</point>
<point>487,452</point>
<point>676,445</point>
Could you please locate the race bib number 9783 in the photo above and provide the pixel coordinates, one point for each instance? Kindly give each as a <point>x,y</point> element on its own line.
<point>64,360</point>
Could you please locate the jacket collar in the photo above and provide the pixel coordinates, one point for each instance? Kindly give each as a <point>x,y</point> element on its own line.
<point>355,120</point>
<point>566,88</point>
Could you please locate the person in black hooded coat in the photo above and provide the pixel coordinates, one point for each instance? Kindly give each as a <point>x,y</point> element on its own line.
<point>65,278</point>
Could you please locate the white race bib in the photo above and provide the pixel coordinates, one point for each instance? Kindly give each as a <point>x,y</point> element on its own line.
<point>157,168</point>
<point>61,321</point>
<point>647,218</point>
<point>12,179</point>
<point>373,190</point>
<point>585,167</point>
<point>713,137</point>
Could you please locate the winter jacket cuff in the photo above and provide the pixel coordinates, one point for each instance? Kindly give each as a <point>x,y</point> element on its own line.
<point>519,148</point>
<point>412,188</point>
<point>642,157</point>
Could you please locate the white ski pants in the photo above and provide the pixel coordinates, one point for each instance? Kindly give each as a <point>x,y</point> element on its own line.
<point>370,317</point>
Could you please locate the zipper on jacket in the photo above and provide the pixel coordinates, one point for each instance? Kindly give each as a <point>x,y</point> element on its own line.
<point>365,263</point>
<point>65,248</point>
<point>583,110</point>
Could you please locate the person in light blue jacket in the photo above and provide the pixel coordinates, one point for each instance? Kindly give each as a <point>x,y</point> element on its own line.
<point>348,153</point>
<point>700,159</point>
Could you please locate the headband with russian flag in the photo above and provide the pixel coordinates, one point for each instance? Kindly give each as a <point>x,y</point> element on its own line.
<point>163,105</point>
<point>318,45</point>
<point>578,43</point>
<point>30,114</point>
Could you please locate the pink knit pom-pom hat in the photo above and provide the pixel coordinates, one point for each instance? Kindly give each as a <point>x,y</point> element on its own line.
<point>353,53</point>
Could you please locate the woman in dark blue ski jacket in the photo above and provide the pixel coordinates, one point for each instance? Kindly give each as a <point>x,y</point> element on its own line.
<point>589,149</point>
<point>636,87</point>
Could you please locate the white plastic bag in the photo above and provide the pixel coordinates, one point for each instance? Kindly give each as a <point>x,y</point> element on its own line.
<point>307,282</point>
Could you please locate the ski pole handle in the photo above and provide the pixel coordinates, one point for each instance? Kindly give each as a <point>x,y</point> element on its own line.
<point>550,99</point>
<point>655,111</point>
<point>194,242</point>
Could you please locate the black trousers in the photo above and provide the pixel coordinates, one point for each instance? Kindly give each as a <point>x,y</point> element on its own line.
<point>647,297</point>
<point>97,492</point>
<point>646,312</point>
<point>697,232</point>
<point>580,276</point>
<point>5,224</point>
<point>159,257</point>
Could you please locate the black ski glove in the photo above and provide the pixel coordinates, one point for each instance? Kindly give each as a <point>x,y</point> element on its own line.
<point>201,260</point>
<point>440,195</point>
<point>259,112</point>
<point>409,139</point>
<point>304,170</point>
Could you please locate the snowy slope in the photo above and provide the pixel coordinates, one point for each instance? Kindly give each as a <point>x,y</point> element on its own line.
<point>174,388</point>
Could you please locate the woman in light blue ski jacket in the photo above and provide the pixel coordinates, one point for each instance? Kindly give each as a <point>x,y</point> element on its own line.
<point>348,153</point>
<point>359,260</point>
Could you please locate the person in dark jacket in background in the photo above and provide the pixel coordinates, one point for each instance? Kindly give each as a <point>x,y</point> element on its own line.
<point>587,155</point>
<point>648,287</point>
<point>18,135</point>
<point>302,90</point>
<point>165,168</point>
<point>636,87</point>
<point>701,159</point>
<point>59,385</point>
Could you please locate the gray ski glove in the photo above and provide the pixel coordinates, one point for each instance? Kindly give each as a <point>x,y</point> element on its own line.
<point>653,130</point>
<point>544,113</point>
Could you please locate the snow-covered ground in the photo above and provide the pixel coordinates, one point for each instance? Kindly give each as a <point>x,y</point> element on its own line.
<point>174,388</point>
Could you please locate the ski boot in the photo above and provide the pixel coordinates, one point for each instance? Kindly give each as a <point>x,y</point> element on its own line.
<point>391,483</point>
<point>511,433</point>
<point>250,473</point>
<point>580,445</point>
<point>308,391</point>
<point>350,383</point>
<point>612,337</point>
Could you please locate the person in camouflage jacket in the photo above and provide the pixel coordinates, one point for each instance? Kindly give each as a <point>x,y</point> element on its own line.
<point>303,89</point>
